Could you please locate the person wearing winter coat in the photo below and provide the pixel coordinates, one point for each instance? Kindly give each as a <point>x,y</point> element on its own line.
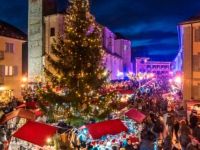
<point>170,123</point>
<point>184,141</point>
<point>193,120</point>
<point>196,132</point>
<point>167,145</point>
<point>176,128</point>
<point>129,145</point>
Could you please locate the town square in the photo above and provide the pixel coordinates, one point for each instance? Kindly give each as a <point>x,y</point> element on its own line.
<point>100,75</point>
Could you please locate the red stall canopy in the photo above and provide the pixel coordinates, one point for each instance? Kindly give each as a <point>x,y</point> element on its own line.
<point>111,127</point>
<point>35,133</point>
<point>135,115</point>
<point>125,92</point>
<point>31,105</point>
<point>22,113</point>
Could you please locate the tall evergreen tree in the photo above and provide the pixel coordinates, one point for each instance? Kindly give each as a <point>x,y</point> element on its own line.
<point>76,67</point>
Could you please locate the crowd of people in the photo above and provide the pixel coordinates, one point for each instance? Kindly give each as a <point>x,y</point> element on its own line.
<point>166,123</point>
<point>166,126</point>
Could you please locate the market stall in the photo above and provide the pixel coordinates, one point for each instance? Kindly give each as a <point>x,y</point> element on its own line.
<point>34,135</point>
<point>107,134</point>
<point>110,127</point>
<point>135,115</point>
<point>17,118</point>
<point>29,105</point>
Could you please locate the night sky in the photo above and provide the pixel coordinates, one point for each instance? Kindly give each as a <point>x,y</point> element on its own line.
<point>151,25</point>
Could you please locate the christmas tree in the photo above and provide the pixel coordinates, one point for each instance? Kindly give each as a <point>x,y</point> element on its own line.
<point>75,71</point>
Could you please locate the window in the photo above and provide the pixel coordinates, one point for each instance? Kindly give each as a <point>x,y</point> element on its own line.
<point>197,35</point>
<point>52,32</point>
<point>125,47</point>
<point>10,70</point>
<point>9,48</point>
<point>1,55</point>
<point>196,62</point>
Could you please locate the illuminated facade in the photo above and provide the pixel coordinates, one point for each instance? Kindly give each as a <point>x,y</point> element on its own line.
<point>11,43</point>
<point>118,50</point>
<point>159,68</point>
<point>189,33</point>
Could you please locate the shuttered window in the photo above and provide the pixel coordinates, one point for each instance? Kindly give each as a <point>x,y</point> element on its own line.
<point>11,71</point>
<point>2,70</point>
<point>196,62</point>
<point>9,48</point>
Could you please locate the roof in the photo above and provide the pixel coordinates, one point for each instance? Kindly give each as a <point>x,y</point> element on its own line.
<point>121,91</point>
<point>193,19</point>
<point>22,113</point>
<point>31,105</point>
<point>8,30</point>
<point>120,36</point>
<point>109,127</point>
<point>35,133</point>
<point>135,115</point>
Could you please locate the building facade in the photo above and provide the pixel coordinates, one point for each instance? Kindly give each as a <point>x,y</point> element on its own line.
<point>11,43</point>
<point>41,35</point>
<point>189,32</point>
<point>158,68</point>
<point>117,50</point>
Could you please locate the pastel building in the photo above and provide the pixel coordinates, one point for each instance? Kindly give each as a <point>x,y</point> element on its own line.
<point>118,54</point>
<point>159,68</point>
<point>118,50</point>
<point>189,33</point>
<point>11,45</point>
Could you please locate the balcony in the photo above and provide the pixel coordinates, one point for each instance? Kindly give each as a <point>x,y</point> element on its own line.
<point>1,55</point>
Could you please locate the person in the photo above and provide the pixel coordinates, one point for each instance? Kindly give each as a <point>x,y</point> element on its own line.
<point>158,127</point>
<point>129,145</point>
<point>167,145</point>
<point>146,145</point>
<point>176,128</point>
<point>170,123</point>
<point>196,132</point>
<point>193,120</point>
<point>184,128</point>
<point>176,146</point>
<point>193,145</point>
<point>184,141</point>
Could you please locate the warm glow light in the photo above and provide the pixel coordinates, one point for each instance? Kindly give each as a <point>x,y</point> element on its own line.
<point>178,80</point>
<point>49,140</point>
<point>22,85</point>
<point>24,79</point>
<point>105,73</point>
<point>2,88</point>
